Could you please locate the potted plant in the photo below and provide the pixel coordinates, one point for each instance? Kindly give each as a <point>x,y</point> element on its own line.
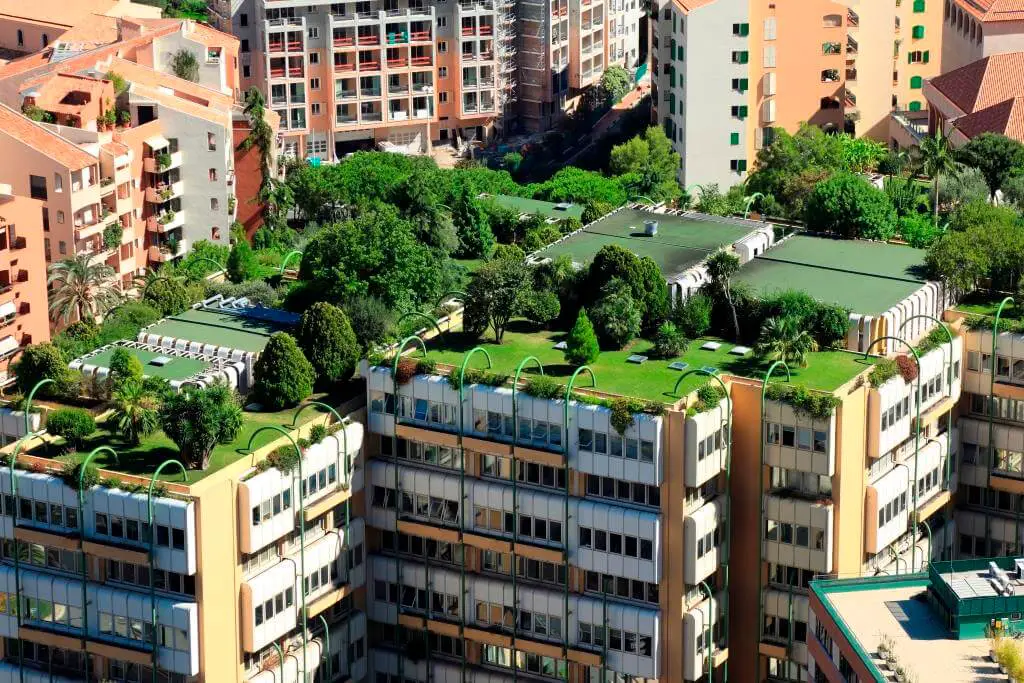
<point>124,117</point>
<point>163,160</point>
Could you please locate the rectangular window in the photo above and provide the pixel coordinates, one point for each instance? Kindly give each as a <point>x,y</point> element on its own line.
<point>37,187</point>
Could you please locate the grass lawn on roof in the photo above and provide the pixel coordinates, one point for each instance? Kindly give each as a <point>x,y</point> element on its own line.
<point>653,380</point>
<point>177,369</point>
<point>218,328</point>
<point>531,206</point>
<point>142,460</point>
<point>987,303</point>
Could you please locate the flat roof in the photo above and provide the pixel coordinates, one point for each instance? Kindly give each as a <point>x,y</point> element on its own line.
<point>218,327</point>
<point>546,209</point>
<point>867,610</point>
<point>682,240</point>
<point>867,277</point>
<point>177,368</point>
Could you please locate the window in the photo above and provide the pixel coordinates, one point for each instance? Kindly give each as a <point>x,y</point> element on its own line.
<point>314,109</point>
<point>45,40</point>
<point>741,29</point>
<point>740,57</point>
<point>442,72</point>
<point>442,96</point>
<point>917,32</point>
<point>739,111</point>
<point>60,216</point>
<point>243,19</point>
<point>313,32</point>
<point>37,186</point>
<point>214,204</point>
<point>740,84</point>
<point>314,84</point>
<point>246,71</point>
<point>245,46</point>
<point>211,142</point>
<point>738,165</point>
<point>21,38</point>
<point>442,47</point>
<point>213,175</point>
<point>768,56</point>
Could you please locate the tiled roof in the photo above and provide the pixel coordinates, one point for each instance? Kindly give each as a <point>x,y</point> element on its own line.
<point>994,10</point>
<point>983,83</point>
<point>687,6</point>
<point>37,137</point>
<point>57,12</point>
<point>143,75</point>
<point>1005,118</point>
<point>157,94</point>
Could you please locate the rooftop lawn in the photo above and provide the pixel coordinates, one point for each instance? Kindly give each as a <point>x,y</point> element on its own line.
<point>531,206</point>
<point>681,241</point>
<point>218,328</point>
<point>653,380</point>
<point>859,256</point>
<point>177,369</point>
<point>987,303</point>
<point>142,460</point>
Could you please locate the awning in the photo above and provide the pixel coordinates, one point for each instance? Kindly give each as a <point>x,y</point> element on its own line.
<point>157,142</point>
<point>8,345</point>
<point>7,309</point>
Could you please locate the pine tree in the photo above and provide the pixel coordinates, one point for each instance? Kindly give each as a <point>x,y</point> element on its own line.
<point>581,344</point>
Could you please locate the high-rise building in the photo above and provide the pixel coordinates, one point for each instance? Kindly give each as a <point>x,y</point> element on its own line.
<point>407,74</point>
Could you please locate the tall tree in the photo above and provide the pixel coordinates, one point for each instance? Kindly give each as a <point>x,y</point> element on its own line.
<point>783,339</point>
<point>261,136</point>
<point>936,158</point>
<point>81,289</point>
<point>496,292</point>
<point>136,410</point>
<point>721,266</point>
<point>197,419</point>
<point>996,156</point>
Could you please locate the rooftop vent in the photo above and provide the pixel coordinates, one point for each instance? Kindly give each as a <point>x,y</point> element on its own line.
<point>650,228</point>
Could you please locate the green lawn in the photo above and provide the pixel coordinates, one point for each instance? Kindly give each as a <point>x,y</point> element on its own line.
<point>178,368</point>
<point>653,380</point>
<point>986,303</point>
<point>142,460</point>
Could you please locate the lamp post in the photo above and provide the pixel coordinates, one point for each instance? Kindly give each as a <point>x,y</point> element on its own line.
<point>709,652</point>
<point>288,257</point>
<point>154,621</point>
<point>992,409</point>
<point>749,202</point>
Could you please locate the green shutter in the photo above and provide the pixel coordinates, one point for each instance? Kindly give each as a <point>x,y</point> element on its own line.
<point>910,57</point>
<point>919,6</point>
<point>925,57</point>
<point>672,77</point>
<point>915,106</point>
<point>672,49</point>
<point>744,29</point>
<point>741,166</point>
<point>734,138</point>
<point>915,82</point>
<point>743,111</point>
<point>917,32</point>
<point>744,84</point>
<point>744,57</point>
<point>671,103</point>
<point>681,53</point>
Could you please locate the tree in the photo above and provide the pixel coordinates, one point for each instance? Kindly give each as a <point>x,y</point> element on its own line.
<point>496,292</point>
<point>849,206</point>
<point>711,201</point>
<point>421,206</point>
<point>124,367</point>
<point>171,296</point>
<point>261,136</point>
<point>371,320</point>
<point>571,184</point>
<point>651,164</point>
<point>996,156</point>
<point>326,337</point>
<point>916,230</point>
<point>959,260</point>
<point>693,315</point>
<point>474,230</point>
<point>507,252</point>
<point>614,84</point>
<point>643,277</point>
<point>669,341</point>
<point>615,316</point>
<point>512,161</point>
<point>184,65</point>
<point>72,424</point>
<point>542,307</point>
<point>81,289</point>
<point>197,419</point>
<point>112,235</point>
<point>283,375</point>
<point>242,264</point>
<point>936,157</point>
<point>581,345</point>
<point>136,410</point>
<point>721,266</point>
<point>43,361</point>
<point>783,339</point>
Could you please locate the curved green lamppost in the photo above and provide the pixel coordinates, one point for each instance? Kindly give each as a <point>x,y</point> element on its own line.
<point>453,295</point>
<point>724,554</point>
<point>515,501</point>
<point>917,437</point>
<point>462,491</point>
<point>760,503</point>
<point>949,386</point>
<point>81,534</point>
<point>907,468</point>
<point>749,202</point>
<point>992,410</point>
<point>28,402</point>
<point>280,659</point>
<point>287,258</point>
<point>220,267</point>
<point>565,449</point>
<point>421,316</point>
<point>152,554</point>
<point>394,365</point>
<point>302,530</point>
<point>17,564</point>
<point>709,652</point>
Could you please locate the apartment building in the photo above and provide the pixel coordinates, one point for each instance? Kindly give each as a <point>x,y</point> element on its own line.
<point>131,177</point>
<point>27,27</point>
<point>837,65</point>
<point>23,306</point>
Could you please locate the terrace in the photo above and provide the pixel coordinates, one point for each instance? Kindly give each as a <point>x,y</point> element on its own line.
<point>652,380</point>
<point>535,206</point>
<point>218,328</point>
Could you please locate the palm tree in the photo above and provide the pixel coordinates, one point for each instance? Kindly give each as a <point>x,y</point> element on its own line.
<point>261,136</point>
<point>81,289</point>
<point>936,158</point>
<point>136,410</point>
<point>721,266</point>
<point>782,339</point>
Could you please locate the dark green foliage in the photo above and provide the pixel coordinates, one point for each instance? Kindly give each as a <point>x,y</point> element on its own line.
<point>542,386</point>
<point>284,458</point>
<point>818,405</point>
<point>849,206</point>
<point>172,296</point>
<point>512,161</point>
<point>496,292</point>
<point>996,156</point>
<point>709,395</point>
<point>476,376</point>
<point>614,84</point>
<point>986,243</point>
<point>124,367</point>
<point>327,339</point>
<point>592,210</point>
<point>615,316</point>
<point>197,419</point>
<point>75,479</point>
<point>936,338</point>
<point>194,266</point>
<point>317,433</point>
<point>569,225</point>
<point>647,165</point>
<point>242,263</point>
<point>581,344</point>
<point>669,341</point>
<point>571,184</point>
<point>507,252</point>
<point>124,322</point>
<point>642,277</point>
<point>541,307</point>
<point>283,375</point>
<point>917,230</point>
<point>44,361</point>
<point>472,226</point>
<point>826,323</point>
<point>112,235</point>
<point>884,370</point>
<point>505,223</point>
<point>540,237</point>
<point>693,315</point>
<point>72,424</point>
<point>371,320</point>
<point>185,65</point>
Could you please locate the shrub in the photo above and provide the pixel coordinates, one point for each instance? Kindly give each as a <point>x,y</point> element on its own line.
<point>709,395</point>
<point>327,339</point>
<point>172,296</point>
<point>112,235</point>
<point>72,424</point>
<point>693,315</point>
<point>849,206</point>
<point>507,252</point>
<point>124,366</point>
<point>371,319</point>
<point>816,404</point>
<point>542,307</point>
<point>44,361</point>
<point>581,344</point>
<point>406,370</point>
<point>476,376</point>
<point>616,316</point>
<point>242,264</point>
<point>593,210</point>
<point>883,371</point>
<point>542,386</point>
<point>197,419</point>
<point>907,367</point>
<point>284,458</point>
<point>317,433</point>
<point>622,414</point>
<point>283,375</point>
<point>70,474</point>
<point>669,342</point>
<point>258,292</point>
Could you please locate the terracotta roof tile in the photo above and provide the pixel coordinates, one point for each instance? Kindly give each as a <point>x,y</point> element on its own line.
<point>983,83</point>
<point>687,6</point>
<point>37,137</point>
<point>994,10</point>
<point>1005,118</point>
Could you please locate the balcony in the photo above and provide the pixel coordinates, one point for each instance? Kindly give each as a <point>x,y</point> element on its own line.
<point>398,63</point>
<point>371,117</point>
<point>345,120</point>
<point>421,61</point>
<point>420,37</point>
<point>167,251</point>
<point>368,39</point>
<point>164,193</point>
<point>165,221</point>
<point>344,41</point>
<point>369,66</point>
<point>342,67</point>
<point>398,89</point>
<point>349,94</point>
<point>161,162</point>
<point>369,92</point>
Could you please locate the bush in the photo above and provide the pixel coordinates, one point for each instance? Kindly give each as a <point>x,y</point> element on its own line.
<point>616,316</point>
<point>44,361</point>
<point>372,321</point>
<point>542,307</point>
<point>581,344</point>
<point>283,375</point>
<point>406,370</point>
<point>669,342</point>
<point>849,206</point>
<point>542,386</point>
<point>818,405</point>
<point>884,370</point>
<point>594,210</point>
<point>507,252</point>
<point>693,315</point>
<point>112,235</point>
<point>71,472</point>
<point>327,339</point>
<point>197,419</point>
<point>541,237</point>
<point>477,376</point>
<point>284,458</point>
<point>72,424</point>
<point>317,433</point>
<point>172,296</point>
<point>907,367</point>
<point>242,264</point>
<point>709,395</point>
<point>124,366</point>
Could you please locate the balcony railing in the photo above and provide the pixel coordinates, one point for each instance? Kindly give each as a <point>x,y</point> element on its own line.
<point>368,39</point>
<point>371,116</point>
<point>369,66</point>
<point>398,63</point>
<point>344,41</point>
<point>345,119</point>
<point>421,61</point>
<point>344,66</point>
<point>344,94</point>
<point>399,89</point>
<point>369,92</point>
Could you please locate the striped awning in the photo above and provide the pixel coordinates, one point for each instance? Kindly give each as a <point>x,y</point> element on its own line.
<point>8,345</point>
<point>7,309</point>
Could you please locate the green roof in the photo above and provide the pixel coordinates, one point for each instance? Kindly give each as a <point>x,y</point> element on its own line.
<point>531,206</point>
<point>653,380</point>
<point>681,242</point>
<point>219,328</point>
<point>866,277</point>
<point>176,369</point>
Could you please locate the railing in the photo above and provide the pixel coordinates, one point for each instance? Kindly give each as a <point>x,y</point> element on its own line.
<point>345,119</point>
<point>486,30</point>
<point>295,45</point>
<point>398,63</point>
<point>420,35</point>
<point>344,66</point>
<point>468,31</point>
<point>369,92</point>
<point>369,66</point>
<point>851,18</point>
<point>275,47</point>
<point>400,89</point>
<point>344,41</point>
<point>295,72</point>
<point>283,99</point>
<point>421,113</point>
<point>368,40</point>
<point>398,115</point>
<point>422,87</point>
<point>851,46</point>
<point>277,73</point>
<point>421,61</point>
<point>372,116</point>
<point>344,94</point>
<point>469,108</point>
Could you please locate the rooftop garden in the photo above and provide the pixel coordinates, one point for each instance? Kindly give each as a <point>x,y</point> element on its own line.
<point>982,306</point>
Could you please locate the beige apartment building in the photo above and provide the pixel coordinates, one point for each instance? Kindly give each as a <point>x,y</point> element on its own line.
<point>407,74</point>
